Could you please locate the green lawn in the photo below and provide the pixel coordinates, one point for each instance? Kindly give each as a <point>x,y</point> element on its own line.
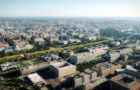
<point>25,63</point>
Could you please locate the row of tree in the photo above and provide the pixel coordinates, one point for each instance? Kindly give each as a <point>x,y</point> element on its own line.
<point>85,65</point>
<point>35,48</point>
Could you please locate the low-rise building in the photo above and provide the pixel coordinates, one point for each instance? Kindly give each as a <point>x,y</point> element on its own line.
<point>33,68</point>
<point>23,47</point>
<point>125,50</point>
<point>100,52</point>
<point>117,43</point>
<point>63,42</point>
<point>18,43</point>
<point>3,45</point>
<point>129,70</point>
<point>124,57</point>
<point>124,82</point>
<point>137,47</point>
<point>113,56</point>
<point>96,48</point>
<point>8,65</point>
<point>99,83</point>
<point>53,38</point>
<point>74,40</point>
<point>51,57</point>
<point>80,35</point>
<point>77,81</point>
<point>36,79</point>
<point>89,38</point>
<point>63,68</point>
<point>68,53</point>
<point>38,40</point>
<point>91,73</point>
<point>84,77</point>
<point>104,69</point>
<point>82,57</point>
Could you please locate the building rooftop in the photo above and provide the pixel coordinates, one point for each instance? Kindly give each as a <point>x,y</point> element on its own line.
<point>88,71</point>
<point>106,65</point>
<point>3,44</point>
<point>20,42</point>
<point>62,64</point>
<point>83,54</point>
<point>126,80</point>
<point>51,57</point>
<point>83,74</point>
<point>35,78</point>
<point>93,83</point>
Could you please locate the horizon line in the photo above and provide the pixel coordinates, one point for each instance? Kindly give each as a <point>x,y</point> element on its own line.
<point>79,16</point>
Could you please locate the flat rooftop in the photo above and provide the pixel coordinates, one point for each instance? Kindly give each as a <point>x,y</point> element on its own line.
<point>88,71</point>
<point>62,64</point>
<point>35,78</point>
<point>94,83</point>
<point>105,65</point>
<point>126,80</point>
<point>83,74</point>
<point>82,54</point>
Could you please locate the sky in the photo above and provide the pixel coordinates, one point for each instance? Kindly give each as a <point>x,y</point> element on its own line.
<point>70,8</point>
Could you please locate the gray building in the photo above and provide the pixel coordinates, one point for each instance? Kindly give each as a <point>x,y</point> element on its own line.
<point>82,57</point>
<point>113,56</point>
<point>77,81</point>
<point>91,73</point>
<point>84,77</point>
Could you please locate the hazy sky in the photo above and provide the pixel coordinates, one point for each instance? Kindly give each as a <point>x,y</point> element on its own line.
<point>120,8</point>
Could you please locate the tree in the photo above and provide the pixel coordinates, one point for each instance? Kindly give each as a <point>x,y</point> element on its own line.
<point>85,65</point>
<point>111,32</point>
<point>36,87</point>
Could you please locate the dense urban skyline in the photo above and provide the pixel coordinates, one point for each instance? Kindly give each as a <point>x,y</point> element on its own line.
<point>68,8</point>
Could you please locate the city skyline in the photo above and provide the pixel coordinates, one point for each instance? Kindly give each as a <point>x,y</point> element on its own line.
<point>69,45</point>
<point>71,8</point>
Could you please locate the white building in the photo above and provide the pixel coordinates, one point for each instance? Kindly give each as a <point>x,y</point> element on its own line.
<point>63,68</point>
<point>82,57</point>
<point>96,48</point>
<point>36,79</point>
<point>114,56</point>
<point>23,47</point>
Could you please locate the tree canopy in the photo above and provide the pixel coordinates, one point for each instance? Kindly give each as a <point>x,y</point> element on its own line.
<point>111,32</point>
